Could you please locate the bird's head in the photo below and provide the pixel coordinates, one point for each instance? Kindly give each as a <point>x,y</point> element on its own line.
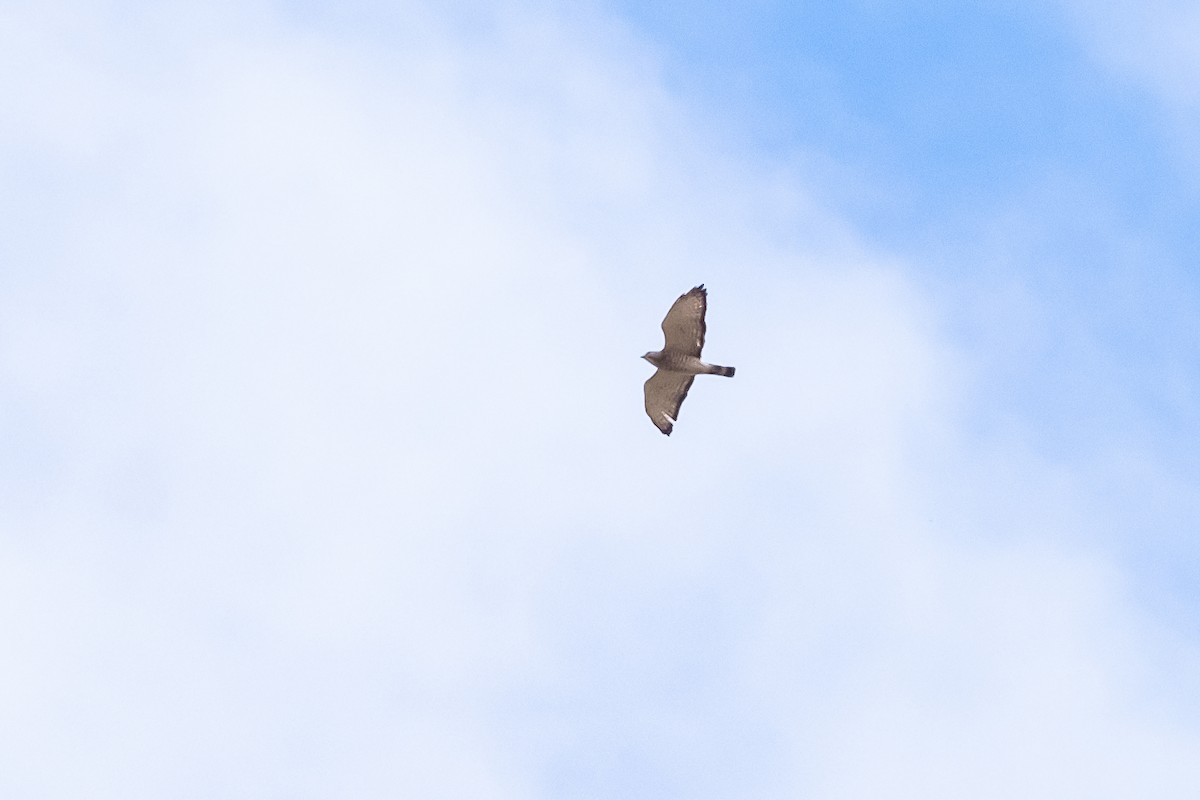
<point>652,357</point>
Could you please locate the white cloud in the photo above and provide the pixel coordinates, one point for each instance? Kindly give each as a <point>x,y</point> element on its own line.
<point>1150,47</point>
<point>329,474</point>
<point>1152,43</point>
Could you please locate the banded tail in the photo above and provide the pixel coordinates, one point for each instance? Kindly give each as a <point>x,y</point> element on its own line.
<point>726,371</point>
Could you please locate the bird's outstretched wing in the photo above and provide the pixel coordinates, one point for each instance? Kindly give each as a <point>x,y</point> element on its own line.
<point>664,395</point>
<point>683,326</point>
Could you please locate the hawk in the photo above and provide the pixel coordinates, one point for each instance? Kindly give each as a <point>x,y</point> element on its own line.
<point>679,361</point>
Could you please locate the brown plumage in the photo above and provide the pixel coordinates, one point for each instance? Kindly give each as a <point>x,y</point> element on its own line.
<point>679,361</point>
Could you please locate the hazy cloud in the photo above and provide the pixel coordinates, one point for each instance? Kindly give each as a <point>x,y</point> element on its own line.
<point>325,471</point>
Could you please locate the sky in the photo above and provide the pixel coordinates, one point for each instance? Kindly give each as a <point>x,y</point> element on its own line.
<point>324,470</point>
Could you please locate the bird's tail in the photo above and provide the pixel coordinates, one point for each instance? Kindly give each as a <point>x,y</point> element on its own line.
<point>726,371</point>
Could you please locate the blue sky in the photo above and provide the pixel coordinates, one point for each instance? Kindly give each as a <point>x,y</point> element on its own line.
<point>323,466</point>
<point>1001,149</point>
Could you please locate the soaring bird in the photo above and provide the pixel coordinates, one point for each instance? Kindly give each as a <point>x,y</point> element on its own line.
<point>679,361</point>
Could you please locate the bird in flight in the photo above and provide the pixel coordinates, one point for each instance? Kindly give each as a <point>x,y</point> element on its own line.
<point>679,361</point>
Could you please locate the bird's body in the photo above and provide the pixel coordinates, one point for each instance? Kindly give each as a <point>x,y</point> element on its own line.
<point>679,361</point>
<point>688,365</point>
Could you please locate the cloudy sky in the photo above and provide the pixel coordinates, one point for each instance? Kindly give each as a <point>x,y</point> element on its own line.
<point>323,464</point>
